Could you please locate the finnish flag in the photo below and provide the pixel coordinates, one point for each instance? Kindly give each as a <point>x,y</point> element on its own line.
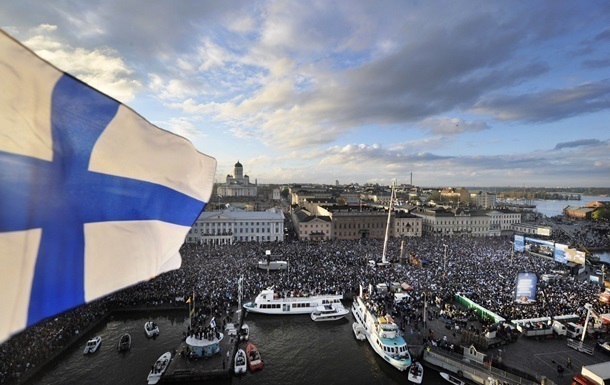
<point>93,198</point>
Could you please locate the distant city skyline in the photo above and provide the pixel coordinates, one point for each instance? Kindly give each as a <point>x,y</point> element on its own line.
<point>460,93</point>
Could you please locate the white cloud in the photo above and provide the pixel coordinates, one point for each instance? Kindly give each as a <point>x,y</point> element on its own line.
<point>172,89</point>
<point>44,28</point>
<point>241,24</point>
<point>102,68</point>
<point>452,126</point>
<point>212,55</point>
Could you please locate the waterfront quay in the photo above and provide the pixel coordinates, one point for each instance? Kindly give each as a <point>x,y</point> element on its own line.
<point>483,268</point>
<point>218,366</point>
<point>524,361</point>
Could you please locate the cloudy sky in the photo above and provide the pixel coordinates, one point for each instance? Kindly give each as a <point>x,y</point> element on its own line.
<point>460,93</point>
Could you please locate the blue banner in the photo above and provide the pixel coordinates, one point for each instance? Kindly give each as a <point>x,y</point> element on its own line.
<point>519,243</point>
<point>525,290</point>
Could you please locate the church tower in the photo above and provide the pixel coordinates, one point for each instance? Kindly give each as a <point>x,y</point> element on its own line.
<point>239,171</point>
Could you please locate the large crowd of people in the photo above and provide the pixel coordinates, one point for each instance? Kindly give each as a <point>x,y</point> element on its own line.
<point>483,269</point>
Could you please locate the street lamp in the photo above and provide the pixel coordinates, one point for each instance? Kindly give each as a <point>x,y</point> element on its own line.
<point>445,262</point>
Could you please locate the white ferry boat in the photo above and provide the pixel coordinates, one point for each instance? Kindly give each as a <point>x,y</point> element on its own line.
<point>331,312</point>
<point>272,302</point>
<point>383,334</point>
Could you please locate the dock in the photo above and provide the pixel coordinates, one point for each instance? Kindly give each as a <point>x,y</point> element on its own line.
<point>184,369</point>
<point>523,361</point>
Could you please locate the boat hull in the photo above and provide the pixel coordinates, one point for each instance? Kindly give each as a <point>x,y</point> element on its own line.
<point>329,313</point>
<point>255,362</point>
<point>451,379</point>
<point>151,330</point>
<point>416,373</point>
<point>92,345</point>
<point>159,368</point>
<point>366,320</point>
<point>359,331</point>
<point>269,302</point>
<point>124,343</point>
<point>240,365</point>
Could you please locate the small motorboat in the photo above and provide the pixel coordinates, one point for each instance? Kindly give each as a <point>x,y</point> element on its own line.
<point>329,312</point>
<point>244,332</point>
<point>124,343</point>
<point>255,362</point>
<point>359,331</point>
<point>159,368</point>
<point>151,329</point>
<point>416,372</point>
<point>92,345</point>
<point>240,365</point>
<point>451,379</point>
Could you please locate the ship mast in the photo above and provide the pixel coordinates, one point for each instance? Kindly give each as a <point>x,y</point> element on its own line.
<point>387,227</point>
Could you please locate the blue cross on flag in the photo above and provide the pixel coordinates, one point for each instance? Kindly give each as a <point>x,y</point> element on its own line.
<point>93,198</point>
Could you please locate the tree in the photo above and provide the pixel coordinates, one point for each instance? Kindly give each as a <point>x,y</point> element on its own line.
<point>601,214</point>
<point>284,193</point>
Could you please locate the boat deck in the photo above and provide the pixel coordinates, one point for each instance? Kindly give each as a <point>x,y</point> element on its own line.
<point>216,367</point>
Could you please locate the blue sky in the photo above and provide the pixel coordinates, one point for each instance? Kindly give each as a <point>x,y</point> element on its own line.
<point>459,93</point>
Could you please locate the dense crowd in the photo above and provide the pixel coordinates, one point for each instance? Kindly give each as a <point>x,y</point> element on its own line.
<point>590,234</point>
<point>483,269</point>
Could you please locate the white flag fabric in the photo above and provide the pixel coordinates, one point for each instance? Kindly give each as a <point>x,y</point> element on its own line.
<point>93,198</point>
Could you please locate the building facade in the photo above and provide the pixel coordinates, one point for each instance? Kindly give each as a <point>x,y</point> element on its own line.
<point>448,223</point>
<point>311,227</point>
<point>238,185</point>
<point>532,229</point>
<point>231,226</point>
<point>503,219</point>
<point>459,194</point>
<point>407,225</point>
<point>483,199</point>
<point>356,224</point>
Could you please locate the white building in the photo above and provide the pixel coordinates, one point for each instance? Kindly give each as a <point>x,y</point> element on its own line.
<point>312,227</point>
<point>448,223</point>
<point>407,225</point>
<point>229,226</point>
<point>483,199</point>
<point>238,185</point>
<point>503,219</point>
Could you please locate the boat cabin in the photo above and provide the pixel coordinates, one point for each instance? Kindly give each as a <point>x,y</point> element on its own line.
<point>386,327</point>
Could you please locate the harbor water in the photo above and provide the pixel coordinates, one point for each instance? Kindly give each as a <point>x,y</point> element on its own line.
<point>295,350</point>
<point>552,208</point>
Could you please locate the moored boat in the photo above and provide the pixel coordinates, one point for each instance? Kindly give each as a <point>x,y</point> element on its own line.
<point>451,379</point>
<point>92,345</point>
<point>244,332</point>
<point>381,331</point>
<point>255,362</point>
<point>329,312</point>
<point>416,372</point>
<point>359,331</point>
<point>240,365</point>
<point>272,302</point>
<point>159,368</point>
<point>124,343</point>
<point>382,334</point>
<point>151,329</point>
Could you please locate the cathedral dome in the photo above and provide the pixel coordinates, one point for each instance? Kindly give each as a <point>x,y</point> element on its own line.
<point>238,164</point>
